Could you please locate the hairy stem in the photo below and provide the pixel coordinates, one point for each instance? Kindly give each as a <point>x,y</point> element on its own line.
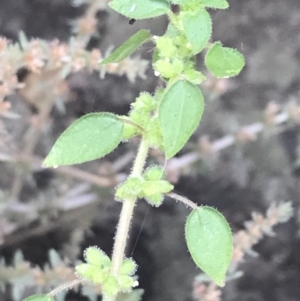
<point>126,216</point>
<point>65,286</point>
<point>183,199</point>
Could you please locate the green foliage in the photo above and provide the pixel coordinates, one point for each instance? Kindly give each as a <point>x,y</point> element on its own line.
<point>88,138</point>
<point>165,121</point>
<point>95,256</point>
<point>224,62</point>
<point>129,189</point>
<point>179,112</point>
<point>168,69</point>
<point>140,9</point>
<point>97,271</point>
<point>153,187</point>
<point>201,21</point>
<point>130,46</point>
<point>145,187</point>
<point>153,191</point>
<point>194,76</point>
<point>153,173</point>
<point>128,267</point>
<point>166,47</point>
<point>220,4</point>
<point>209,241</point>
<point>145,102</point>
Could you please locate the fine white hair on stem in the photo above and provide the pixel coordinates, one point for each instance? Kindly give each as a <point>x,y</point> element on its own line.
<point>65,286</point>
<point>183,200</point>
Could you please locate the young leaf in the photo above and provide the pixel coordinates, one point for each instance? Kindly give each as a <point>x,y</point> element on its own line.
<point>39,298</point>
<point>140,9</point>
<point>154,187</point>
<point>126,282</point>
<point>91,272</point>
<point>209,241</point>
<point>129,189</point>
<point>111,286</point>
<point>155,199</point>
<point>194,76</point>
<point>166,47</point>
<point>224,62</point>
<point>153,173</point>
<point>130,46</point>
<point>198,27</point>
<point>95,256</point>
<point>128,267</point>
<point>88,138</point>
<point>179,112</point>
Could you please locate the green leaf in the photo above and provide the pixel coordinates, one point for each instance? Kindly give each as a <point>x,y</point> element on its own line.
<point>39,298</point>
<point>125,282</point>
<point>198,27</point>
<point>111,286</point>
<point>88,138</point>
<point>153,187</point>
<point>166,46</point>
<point>128,267</point>
<point>153,134</point>
<point>97,257</point>
<point>155,199</point>
<point>144,102</point>
<point>172,31</point>
<point>140,9</point>
<point>224,62</point>
<point>165,68</point>
<point>209,241</point>
<point>220,4</point>
<point>153,173</point>
<point>194,76</point>
<point>129,189</point>
<point>130,46</point>
<point>92,273</point>
<point>180,112</point>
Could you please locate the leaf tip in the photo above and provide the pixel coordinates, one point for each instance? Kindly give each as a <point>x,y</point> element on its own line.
<point>48,164</point>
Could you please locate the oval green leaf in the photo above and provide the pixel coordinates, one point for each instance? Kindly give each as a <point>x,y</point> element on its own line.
<point>179,112</point>
<point>130,46</point>
<point>39,298</point>
<point>88,138</point>
<point>224,62</point>
<point>140,9</point>
<point>209,241</point>
<point>198,28</point>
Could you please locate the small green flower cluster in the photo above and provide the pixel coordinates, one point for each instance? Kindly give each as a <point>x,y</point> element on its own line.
<point>149,186</point>
<point>97,270</point>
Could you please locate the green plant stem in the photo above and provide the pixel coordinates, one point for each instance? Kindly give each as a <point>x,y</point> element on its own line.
<point>65,286</point>
<point>183,199</point>
<point>126,216</point>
